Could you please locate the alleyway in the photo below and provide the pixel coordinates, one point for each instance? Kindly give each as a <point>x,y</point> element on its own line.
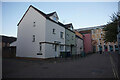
<point>92,66</point>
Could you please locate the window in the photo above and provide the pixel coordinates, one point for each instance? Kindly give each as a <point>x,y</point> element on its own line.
<point>54,18</point>
<point>71,28</point>
<point>33,38</point>
<point>72,37</point>
<point>61,34</point>
<point>105,48</point>
<point>116,48</point>
<point>100,48</point>
<point>33,24</point>
<point>111,47</point>
<point>53,31</point>
<point>67,35</point>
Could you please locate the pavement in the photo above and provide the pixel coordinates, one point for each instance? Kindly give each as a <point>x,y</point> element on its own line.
<point>92,66</point>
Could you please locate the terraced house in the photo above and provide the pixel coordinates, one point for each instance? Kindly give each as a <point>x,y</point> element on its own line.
<point>41,35</point>
<point>79,43</point>
<point>70,39</point>
<point>87,38</point>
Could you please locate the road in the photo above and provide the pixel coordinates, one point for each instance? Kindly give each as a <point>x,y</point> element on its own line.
<point>92,66</point>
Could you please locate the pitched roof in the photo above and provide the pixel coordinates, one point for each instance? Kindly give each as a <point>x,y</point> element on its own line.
<point>7,39</point>
<point>68,25</point>
<point>79,34</point>
<point>45,15</point>
<point>90,28</point>
<point>50,14</point>
<point>79,37</point>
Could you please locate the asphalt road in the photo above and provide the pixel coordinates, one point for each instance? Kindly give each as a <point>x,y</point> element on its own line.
<point>92,66</point>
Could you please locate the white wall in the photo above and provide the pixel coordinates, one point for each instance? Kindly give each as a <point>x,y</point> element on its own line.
<point>50,37</point>
<point>25,46</point>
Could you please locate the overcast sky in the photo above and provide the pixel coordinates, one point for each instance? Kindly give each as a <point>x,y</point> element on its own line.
<point>80,14</point>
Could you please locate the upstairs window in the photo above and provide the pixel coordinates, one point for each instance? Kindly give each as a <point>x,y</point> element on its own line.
<point>33,38</point>
<point>61,34</point>
<point>71,28</point>
<point>34,24</point>
<point>72,37</point>
<point>53,31</point>
<point>67,35</point>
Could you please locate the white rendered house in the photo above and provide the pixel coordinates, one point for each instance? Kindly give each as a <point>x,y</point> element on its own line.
<point>40,35</point>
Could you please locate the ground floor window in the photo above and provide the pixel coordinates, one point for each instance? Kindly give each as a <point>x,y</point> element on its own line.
<point>100,48</point>
<point>111,47</point>
<point>105,48</point>
<point>116,48</point>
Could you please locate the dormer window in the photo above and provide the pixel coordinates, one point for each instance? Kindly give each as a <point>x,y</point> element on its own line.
<point>55,19</point>
<point>71,28</point>
<point>53,16</point>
